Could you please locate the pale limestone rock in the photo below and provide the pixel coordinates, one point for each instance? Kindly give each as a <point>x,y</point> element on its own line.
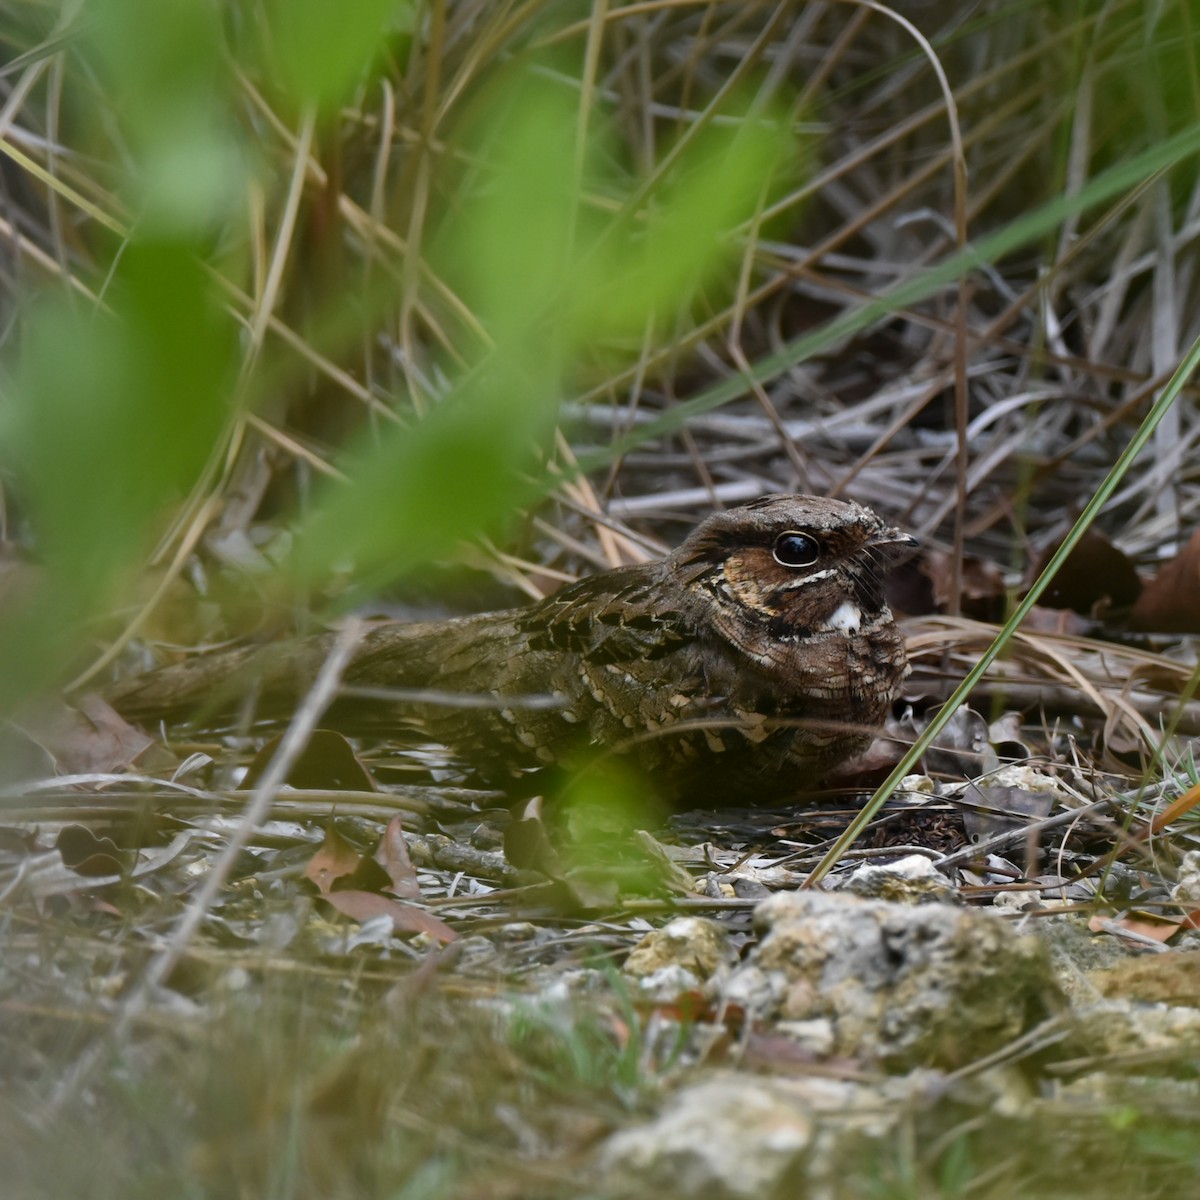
<point>726,1138</point>
<point>932,984</point>
<point>1187,889</point>
<point>910,880</point>
<point>733,1136</point>
<point>681,956</point>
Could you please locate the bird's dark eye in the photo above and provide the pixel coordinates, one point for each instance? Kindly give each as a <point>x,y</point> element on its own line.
<point>796,549</point>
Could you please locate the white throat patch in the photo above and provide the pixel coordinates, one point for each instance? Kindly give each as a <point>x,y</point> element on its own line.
<point>846,618</point>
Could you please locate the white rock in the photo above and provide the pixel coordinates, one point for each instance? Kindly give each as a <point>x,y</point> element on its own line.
<point>726,1138</point>
<point>1187,890</point>
<point>909,880</point>
<point>909,985</point>
<point>697,945</point>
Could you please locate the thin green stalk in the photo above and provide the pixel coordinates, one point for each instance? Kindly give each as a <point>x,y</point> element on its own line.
<point>1089,514</point>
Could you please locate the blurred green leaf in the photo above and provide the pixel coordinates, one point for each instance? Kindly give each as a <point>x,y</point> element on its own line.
<point>511,252</point>
<point>170,85</point>
<point>112,418</point>
<point>322,51</point>
<point>418,490</point>
<point>605,803</point>
<point>544,277</point>
<point>463,468</point>
<point>681,237</point>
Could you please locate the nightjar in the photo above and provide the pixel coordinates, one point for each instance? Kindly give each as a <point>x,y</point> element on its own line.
<point>743,666</point>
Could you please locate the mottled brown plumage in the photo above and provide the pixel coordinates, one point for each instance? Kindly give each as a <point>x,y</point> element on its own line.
<point>745,665</point>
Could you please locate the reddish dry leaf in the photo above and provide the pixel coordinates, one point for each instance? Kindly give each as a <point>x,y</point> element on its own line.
<point>983,590</point>
<point>91,738</point>
<point>406,918</point>
<point>327,763</point>
<point>1095,578</point>
<point>392,855</point>
<point>1161,929</point>
<point>1170,602</point>
<point>686,1007</point>
<point>368,876</point>
<point>334,859</point>
<point>1178,807</point>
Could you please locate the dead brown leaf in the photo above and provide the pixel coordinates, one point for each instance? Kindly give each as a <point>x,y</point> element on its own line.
<point>924,585</point>
<point>1096,577</point>
<point>960,750</point>
<point>1148,925</point>
<point>86,854</point>
<point>392,855</point>
<point>1170,602</point>
<point>327,763</point>
<point>1179,807</point>
<point>91,738</point>
<point>991,810</point>
<point>334,859</point>
<point>406,918</point>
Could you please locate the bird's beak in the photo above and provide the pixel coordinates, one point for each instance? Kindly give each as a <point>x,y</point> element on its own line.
<point>894,544</point>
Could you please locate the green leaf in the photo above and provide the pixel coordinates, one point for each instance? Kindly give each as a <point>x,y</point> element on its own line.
<point>463,467</point>
<point>322,51</point>
<point>170,78</point>
<point>459,472</point>
<point>111,421</point>
<point>681,236</point>
<point>510,251</point>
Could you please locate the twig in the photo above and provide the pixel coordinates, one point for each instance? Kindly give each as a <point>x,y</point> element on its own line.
<point>291,745</point>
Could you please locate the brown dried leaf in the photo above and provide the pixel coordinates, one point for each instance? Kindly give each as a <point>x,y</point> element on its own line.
<point>1149,925</point>
<point>392,855</point>
<point>991,810</point>
<point>327,763</point>
<point>91,738</point>
<point>406,918</point>
<point>909,589</point>
<point>1178,807</point>
<point>1170,602</point>
<point>334,859</point>
<point>1096,577</point>
<point>86,854</point>
<point>367,876</point>
<point>961,749</point>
